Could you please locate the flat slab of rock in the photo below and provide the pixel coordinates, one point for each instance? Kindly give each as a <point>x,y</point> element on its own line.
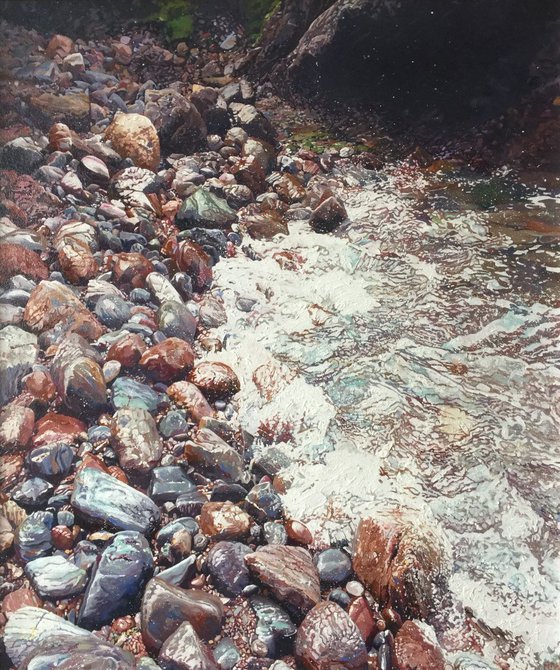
<point>328,638</point>
<point>166,607</point>
<point>102,498</point>
<point>184,650</point>
<point>290,575</point>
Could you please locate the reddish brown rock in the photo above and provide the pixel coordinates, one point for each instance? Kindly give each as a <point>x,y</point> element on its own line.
<point>40,385</point>
<point>399,563</point>
<point>189,257</point>
<point>414,651</point>
<point>135,438</point>
<point>265,225</point>
<point>188,396</point>
<point>11,466</point>
<point>25,198</point>
<point>183,650</point>
<point>77,261</point>
<point>361,614</point>
<point>16,426</point>
<point>78,377</point>
<point>73,109</point>
<point>166,607</point>
<point>55,427</point>
<point>127,350</point>
<point>17,260</point>
<point>290,575</point>
<point>328,639</point>
<point>208,452</point>
<point>215,380</point>
<point>60,137</point>
<point>60,46</point>
<point>134,136</point>
<point>298,532</point>
<point>51,302</point>
<point>169,360</point>
<point>62,538</point>
<point>329,213</point>
<point>224,521</point>
<point>22,597</point>
<point>249,172</point>
<point>129,270</point>
<point>289,188</point>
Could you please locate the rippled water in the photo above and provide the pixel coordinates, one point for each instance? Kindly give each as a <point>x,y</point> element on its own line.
<point>411,361</point>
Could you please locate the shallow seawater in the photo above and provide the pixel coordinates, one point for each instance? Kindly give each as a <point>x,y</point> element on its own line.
<point>410,361</point>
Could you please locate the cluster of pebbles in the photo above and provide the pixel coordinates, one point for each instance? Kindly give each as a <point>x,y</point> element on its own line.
<point>137,529</point>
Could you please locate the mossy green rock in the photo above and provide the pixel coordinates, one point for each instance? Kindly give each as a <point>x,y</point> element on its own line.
<point>206,210</point>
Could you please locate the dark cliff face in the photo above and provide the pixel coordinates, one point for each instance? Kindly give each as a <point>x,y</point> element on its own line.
<point>450,59</point>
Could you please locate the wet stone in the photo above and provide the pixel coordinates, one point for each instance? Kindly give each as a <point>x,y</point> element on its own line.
<point>290,575</point>
<point>165,607</point>
<point>187,395</point>
<point>117,581</point>
<point>127,350</point>
<point>227,566</point>
<point>168,483</point>
<point>213,456</point>
<point>56,577</point>
<point>32,493</point>
<point>180,573</point>
<point>135,438</point>
<point>53,460</point>
<point>102,498</point>
<point>16,426</point>
<point>206,210</point>
<point>415,651</point>
<point>333,565</point>
<point>33,536</point>
<point>112,311</point>
<point>175,320</point>
<point>274,533</point>
<point>329,637</point>
<point>18,352</point>
<point>128,393</point>
<point>233,492</point>
<point>274,626</point>
<point>85,554</point>
<point>340,597</point>
<point>183,650</point>
<point>191,504</point>
<point>173,423</point>
<point>214,379</point>
<point>134,136</point>
<point>264,503</point>
<point>173,528</point>
<point>226,654</point>
<point>224,521</point>
<point>169,360</point>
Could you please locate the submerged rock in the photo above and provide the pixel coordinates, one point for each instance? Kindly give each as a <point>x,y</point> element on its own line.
<point>168,360</point>
<point>117,581</point>
<point>128,393</point>
<point>329,638</point>
<point>415,651</point>
<point>213,456</point>
<point>187,395</point>
<point>168,483</point>
<point>102,498</point>
<point>215,380</point>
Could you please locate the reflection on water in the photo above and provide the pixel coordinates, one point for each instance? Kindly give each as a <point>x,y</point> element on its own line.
<point>414,357</point>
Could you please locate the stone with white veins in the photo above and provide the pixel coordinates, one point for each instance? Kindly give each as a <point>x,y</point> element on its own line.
<point>56,577</point>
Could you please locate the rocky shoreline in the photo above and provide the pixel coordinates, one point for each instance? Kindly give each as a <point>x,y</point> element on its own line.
<point>138,529</point>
